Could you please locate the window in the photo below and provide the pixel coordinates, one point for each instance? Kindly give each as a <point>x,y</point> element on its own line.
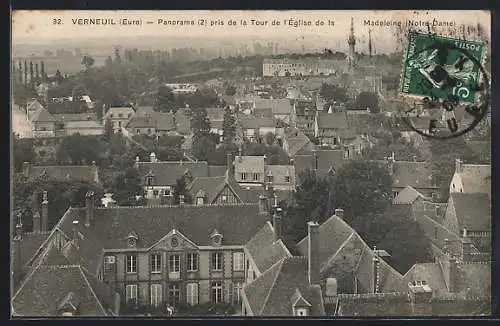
<point>150,180</point>
<point>192,294</point>
<point>199,201</point>
<point>167,191</point>
<point>155,263</point>
<point>109,262</point>
<point>216,292</point>
<point>111,115</point>
<point>238,261</point>
<point>174,263</point>
<point>174,294</point>
<point>300,312</point>
<point>255,177</point>
<point>155,193</point>
<point>119,124</point>
<point>149,130</point>
<point>269,178</point>
<point>243,176</point>
<point>131,264</point>
<point>192,262</point>
<point>224,198</point>
<point>217,261</point>
<point>237,286</point>
<point>287,178</point>
<point>131,293</point>
<point>156,295</point>
<point>138,131</point>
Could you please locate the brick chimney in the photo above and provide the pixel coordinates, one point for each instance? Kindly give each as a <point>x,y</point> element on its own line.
<point>313,253</point>
<point>45,212</point>
<point>89,207</point>
<point>458,165</point>
<point>26,169</point>
<point>277,220</point>
<point>229,165</point>
<point>339,212</point>
<point>263,204</point>
<point>36,222</point>
<point>420,295</point>
<point>376,271</point>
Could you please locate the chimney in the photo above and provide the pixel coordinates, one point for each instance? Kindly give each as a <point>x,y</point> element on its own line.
<point>89,207</point>
<point>313,252</point>
<point>376,270</point>
<point>464,233</point>
<point>181,200</point>
<point>26,169</point>
<point>467,249</point>
<point>75,232</point>
<point>152,157</point>
<point>36,222</point>
<point>116,307</point>
<point>262,204</point>
<point>390,164</point>
<point>420,295</point>
<point>277,219</point>
<point>315,160</point>
<point>453,274</point>
<point>229,165</point>
<point>458,165</point>
<point>331,287</point>
<point>45,212</point>
<point>339,212</point>
<point>446,245</point>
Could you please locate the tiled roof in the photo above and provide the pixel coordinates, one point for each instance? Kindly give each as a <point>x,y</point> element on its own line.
<point>374,305</point>
<point>65,172</point>
<point>329,159</point>
<point>182,121</point>
<point>30,244</point>
<point>237,223</point>
<point>474,279</point>
<point>42,115</point>
<point>407,196</point>
<point>158,120</point>
<point>73,117</point>
<point>415,174</point>
<point>473,211</point>
<point>297,142</point>
<point>335,120</point>
<point>117,110</point>
<point>217,170</point>
<point>279,172</point>
<point>142,110</point>
<point>167,172</point>
<point>47,286</point>
<point>211,186</point>
<point>431,273</point>
<point>342,252</point>
<point>215,113</point>
<point>277,106</point>
<point>249,164</point>
<point>265,252</point>
<point>250,122</point>
<point>141,122</point>
<point>476,178</point>
<point>272,293</point>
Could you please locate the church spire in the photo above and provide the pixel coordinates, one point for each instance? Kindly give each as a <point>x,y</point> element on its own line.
<point>351,41</point>
<point>370,42</point>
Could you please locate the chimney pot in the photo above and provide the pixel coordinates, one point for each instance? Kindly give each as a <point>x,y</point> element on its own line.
<point>75,231</point>
<point>89,207</point>
<point>26,169</point>
<point>181,200</point>
<point>339,212</point>
<point>36,222</point>
<point>229,164</point>
<point>45,212</point>
<point>263,204</point>
<point>277,219</point>
<point>313,253</point>
<point>458,165</point>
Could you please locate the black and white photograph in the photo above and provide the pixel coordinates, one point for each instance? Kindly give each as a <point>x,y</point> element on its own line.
<point>216,163</point>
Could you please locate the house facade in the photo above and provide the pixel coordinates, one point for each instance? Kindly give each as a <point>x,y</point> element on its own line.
<point>119,117</point>
<point>329,127</point>
<point>303,116</point>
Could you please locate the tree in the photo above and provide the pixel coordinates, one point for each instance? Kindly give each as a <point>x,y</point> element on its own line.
<point>270,139</point>
<point>22,151</point>
<point>228,125</point>
<point>126,187</point>
<point>58,77</point>
<point>109,62</point>
<point>181,189</point>
<point>37,72</point>
<point>42,71</point>
<point>362,188</point>
<point>118,58</point>
<point>230,90</point>
<point>165,100</point>
<point>108,129</point>
<point>20,69</point>
<point>77,149</point>
<point>32,77</point>
<point>78,91</point>
<point>330,92</point>
<point>367,100</point>
<point>87,61</point>
<point>392,143</point>
<point>25,73</point>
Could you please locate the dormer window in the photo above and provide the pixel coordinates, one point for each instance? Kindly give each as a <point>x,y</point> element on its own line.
<point>132,240</point>
<point>216,238</point>
<point>300,305</point>
<point>200,197</point>
<point>150,180</point>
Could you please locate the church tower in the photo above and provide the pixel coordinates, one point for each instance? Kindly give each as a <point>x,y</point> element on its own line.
<point>351,41</point>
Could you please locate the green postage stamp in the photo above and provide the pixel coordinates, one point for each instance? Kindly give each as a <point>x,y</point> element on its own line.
<point>442,68</point>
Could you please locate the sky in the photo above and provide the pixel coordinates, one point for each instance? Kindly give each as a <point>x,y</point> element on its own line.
<point>44,26</point>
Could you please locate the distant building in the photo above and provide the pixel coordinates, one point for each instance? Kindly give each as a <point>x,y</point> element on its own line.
<point>282,68</point>
<point>85,173</point>
<point>119,117</point>
<point>303,115</point>
<point>329,126</point>
<point>178,88</point>
<point>253,128</point>
<point>151,124</point>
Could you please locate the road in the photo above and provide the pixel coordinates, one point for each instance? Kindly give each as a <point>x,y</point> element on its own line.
<point>20,124</point>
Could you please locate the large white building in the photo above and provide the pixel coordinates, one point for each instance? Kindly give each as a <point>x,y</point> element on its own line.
<point>283,67</point>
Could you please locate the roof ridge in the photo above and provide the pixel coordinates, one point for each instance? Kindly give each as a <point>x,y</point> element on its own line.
<point>263,306</point>
<point>280,241</point>
<point>175,206</point>
<point>340,248</point>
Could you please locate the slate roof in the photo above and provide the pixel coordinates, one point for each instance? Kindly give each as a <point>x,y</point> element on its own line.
<point>473,211</point>
<point>265,252</point>
<point>216,170</point>
<point>250,122</point>
<point>342,252</point>
<point>476,178</point>
<point>42,115</point>
<point>125,110</point>
<point>159,120</point>
<point>30,244</point>
<point>88,173</point>
<point>407,196</point>
<point>237,223</point>
<point>272,293</point>
<point>73,117</point>
<point>336,120</point>
<point>431,273</point>
<point>297,142</point>
<point>167,172</point>
<point>249,164</point>
<point>142,110</point>
<point>210,185</point>
<point>415,174</point>
<point>46,287</point>
<point>277,106</point>
<point>279,172</point>
<point>327,159</point>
